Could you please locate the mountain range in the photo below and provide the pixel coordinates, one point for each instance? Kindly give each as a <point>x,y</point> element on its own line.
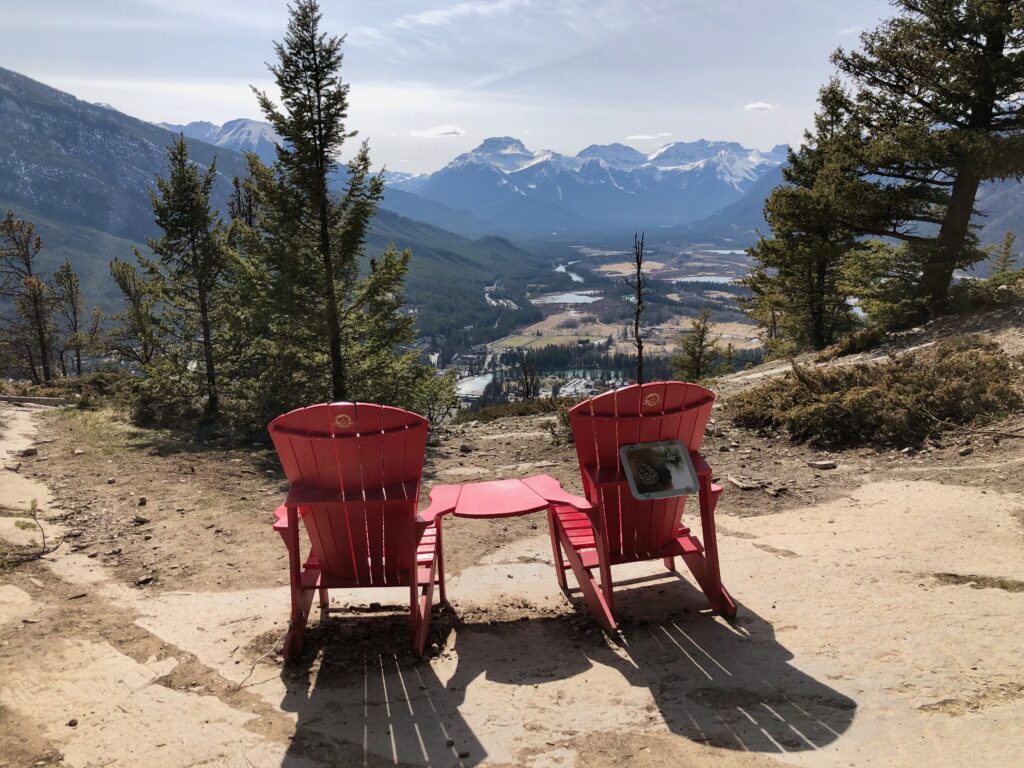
<point>240,135</point>
<point>603,189</point>
<point>82,173</point>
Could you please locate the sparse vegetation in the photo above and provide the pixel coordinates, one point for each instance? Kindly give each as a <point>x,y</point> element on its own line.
<point>899,402</point>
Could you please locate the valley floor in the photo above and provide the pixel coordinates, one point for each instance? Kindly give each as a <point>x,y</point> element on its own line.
<point>879,621</point>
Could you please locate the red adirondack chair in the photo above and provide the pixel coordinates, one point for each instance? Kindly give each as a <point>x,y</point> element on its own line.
<point>354,472</point>
<point>621,528</point>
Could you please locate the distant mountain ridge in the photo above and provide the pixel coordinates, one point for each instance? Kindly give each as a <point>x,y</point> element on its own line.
<point>240,135</point>
<point>83,173</point>
<point>601,188</point>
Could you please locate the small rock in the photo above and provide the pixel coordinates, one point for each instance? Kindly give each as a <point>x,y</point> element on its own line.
<point>435,649</point>
<point>450,742</point>
<point>465,448</point>
<point>110,481</point>
<point>72,723</point>
<point>29,451</point>
<point>142,501</point>
<point>140,520</point>
<point>966,451</point>
<point>823,464</point>
<point>77,452</point>
<point>144,580</point>
<point>463,753</point>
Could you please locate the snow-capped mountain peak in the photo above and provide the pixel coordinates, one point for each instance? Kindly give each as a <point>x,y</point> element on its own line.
<point>614,155</point>
<point>241,135</point>
<point>502,152</point>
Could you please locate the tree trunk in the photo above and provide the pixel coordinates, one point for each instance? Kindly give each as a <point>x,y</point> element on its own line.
<point>938,269</point>
<point>818,305</point>
<point>339,387</point>
<point>40,327</point>
<point>212,399</point>
<point>942,261</point>
<point>78,361</point>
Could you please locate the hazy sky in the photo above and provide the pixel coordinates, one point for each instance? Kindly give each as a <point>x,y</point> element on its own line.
<point>432,78</point>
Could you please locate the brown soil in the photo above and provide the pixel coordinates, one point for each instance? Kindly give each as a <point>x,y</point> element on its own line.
<point>873,629</point>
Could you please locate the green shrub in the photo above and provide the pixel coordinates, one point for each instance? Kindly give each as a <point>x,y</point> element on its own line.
<point>898,402</point>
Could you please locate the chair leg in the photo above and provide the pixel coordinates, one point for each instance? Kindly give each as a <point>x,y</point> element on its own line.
<point>720,600</point>
<point>594,596</point>
<point>442,594</point>
<point>557,553</point>
<point>301,605</point>
<point>421,610</point>
<point>325,601</point>
<point>670,563</point>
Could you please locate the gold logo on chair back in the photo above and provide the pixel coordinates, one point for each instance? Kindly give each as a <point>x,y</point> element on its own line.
<point>652,399</point>
<point>342,420</point>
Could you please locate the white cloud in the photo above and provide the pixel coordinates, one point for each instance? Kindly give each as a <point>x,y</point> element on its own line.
<point>648,136</point>
<point>759,106</point>
<point>440,17</point>
<point>847,31</point>
<point>438,132</point>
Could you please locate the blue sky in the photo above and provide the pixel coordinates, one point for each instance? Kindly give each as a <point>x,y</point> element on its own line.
<point>432,78</point>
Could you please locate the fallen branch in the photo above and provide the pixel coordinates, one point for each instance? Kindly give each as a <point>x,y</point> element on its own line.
<point>975,430</point>
<point>28,557</point>
<point>254,665</point>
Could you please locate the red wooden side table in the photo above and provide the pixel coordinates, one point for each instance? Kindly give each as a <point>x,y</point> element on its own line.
<point>502,498</point>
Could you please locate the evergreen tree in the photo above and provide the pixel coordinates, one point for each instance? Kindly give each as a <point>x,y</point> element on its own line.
<point>30,326</point>
<point>187,273</point>
<point>135,335</point>
<point>698,351</point>
<point>1004,256</point>
<point>937,92</point>
<point>71,307</point>
<point>798,291</point>
<point>312,125</point>
<point>338,322</point>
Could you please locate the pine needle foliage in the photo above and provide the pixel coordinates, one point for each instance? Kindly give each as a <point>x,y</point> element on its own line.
<point>899,402</point>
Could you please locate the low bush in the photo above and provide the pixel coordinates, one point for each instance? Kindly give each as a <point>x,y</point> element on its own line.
<point>543,405</point>
<point>898,402</point>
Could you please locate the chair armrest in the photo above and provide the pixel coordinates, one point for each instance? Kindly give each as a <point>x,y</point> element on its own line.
<point>700,464</point>
<point>550,489</point>
<point>281,519</point>
<point>443,499</point>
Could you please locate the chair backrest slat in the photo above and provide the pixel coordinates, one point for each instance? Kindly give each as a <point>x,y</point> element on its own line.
<point>372,456</point>
<point>657,411</point>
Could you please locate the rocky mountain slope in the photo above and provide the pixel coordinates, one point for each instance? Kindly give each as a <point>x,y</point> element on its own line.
<point>601,189</point>
<point>83,172</point>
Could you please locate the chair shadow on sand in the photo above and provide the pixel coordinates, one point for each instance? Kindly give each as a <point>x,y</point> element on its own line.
<point>728,686</point>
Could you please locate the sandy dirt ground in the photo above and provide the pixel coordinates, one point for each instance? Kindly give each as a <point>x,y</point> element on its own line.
<point>881,605</point>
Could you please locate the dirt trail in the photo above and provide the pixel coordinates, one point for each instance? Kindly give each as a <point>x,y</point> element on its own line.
<point>861,640</point>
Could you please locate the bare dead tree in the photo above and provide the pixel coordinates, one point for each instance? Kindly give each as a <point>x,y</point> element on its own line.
<point>639,285</point>
<point>528,378</point>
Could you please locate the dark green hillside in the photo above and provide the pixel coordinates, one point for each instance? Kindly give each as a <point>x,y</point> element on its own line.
<point>76,163</point>
<point>448,273</point>
<point>82,174</point>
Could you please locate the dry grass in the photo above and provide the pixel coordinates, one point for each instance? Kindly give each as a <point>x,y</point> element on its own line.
<point>898,402</point>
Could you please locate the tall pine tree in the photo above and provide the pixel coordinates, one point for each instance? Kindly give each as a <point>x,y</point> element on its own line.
<point>798,294</point>
<point>938,93</point>
<point>338,319</point>
<point>30,326</point>
<point>311,121</point>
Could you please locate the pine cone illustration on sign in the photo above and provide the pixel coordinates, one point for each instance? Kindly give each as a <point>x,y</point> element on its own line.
<point>646,474</point>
